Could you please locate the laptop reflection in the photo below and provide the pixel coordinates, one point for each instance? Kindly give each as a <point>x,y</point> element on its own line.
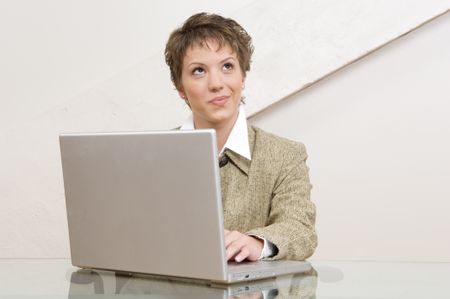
<point>89,282</point>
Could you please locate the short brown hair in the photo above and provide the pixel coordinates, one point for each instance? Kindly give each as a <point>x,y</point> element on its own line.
<point>199,29</point>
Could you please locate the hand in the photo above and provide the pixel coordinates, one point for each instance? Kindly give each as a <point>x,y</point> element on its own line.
<point>240,246</point>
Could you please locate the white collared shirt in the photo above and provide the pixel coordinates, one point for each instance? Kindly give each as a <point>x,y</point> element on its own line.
<point>238,139</point>
<point>237,142</point>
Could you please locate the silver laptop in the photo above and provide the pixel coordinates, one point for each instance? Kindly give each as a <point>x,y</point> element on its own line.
<point>150,202</point>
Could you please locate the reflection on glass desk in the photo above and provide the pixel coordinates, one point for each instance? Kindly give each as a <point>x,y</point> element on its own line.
<point>57,278</point>
<point>87,282</point>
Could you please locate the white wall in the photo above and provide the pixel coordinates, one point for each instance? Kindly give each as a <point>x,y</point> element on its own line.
<point>65,66</point>
<point>97,66</point>
<point>52,51</point>
<point>378,137</point>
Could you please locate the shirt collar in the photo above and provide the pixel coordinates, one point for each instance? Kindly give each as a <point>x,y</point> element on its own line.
<point>238,139</point>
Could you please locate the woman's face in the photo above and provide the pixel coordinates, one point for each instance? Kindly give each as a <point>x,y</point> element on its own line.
<point>212,81</point>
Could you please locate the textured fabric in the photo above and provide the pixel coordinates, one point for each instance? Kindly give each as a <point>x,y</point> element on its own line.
<point>269,196</point>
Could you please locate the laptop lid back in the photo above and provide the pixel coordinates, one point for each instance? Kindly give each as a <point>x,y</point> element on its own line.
<point>146,202</point>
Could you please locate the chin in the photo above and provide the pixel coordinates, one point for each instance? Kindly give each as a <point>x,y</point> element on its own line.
<point>226,113</point>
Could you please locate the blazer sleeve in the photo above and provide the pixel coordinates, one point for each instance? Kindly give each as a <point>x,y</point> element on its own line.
<point>291,220</point>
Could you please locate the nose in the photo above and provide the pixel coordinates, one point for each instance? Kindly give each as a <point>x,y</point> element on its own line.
<point>215,82</point>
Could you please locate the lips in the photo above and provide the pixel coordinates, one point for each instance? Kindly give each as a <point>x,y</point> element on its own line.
<point>219,101</point>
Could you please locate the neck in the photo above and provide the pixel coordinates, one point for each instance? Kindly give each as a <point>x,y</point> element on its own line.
<point>223,130</point>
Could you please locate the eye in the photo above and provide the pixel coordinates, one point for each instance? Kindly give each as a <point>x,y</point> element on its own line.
<point>198,71</point>
<point>228,66</point>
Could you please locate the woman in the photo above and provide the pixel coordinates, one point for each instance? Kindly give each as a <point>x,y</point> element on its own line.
<point>264,178</point>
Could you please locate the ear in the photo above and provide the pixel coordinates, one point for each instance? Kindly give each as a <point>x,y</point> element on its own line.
<point>182,95</point>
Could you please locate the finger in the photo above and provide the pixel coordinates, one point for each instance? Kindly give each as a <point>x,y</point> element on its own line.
<point>233,249</point>
<point>242,255</point>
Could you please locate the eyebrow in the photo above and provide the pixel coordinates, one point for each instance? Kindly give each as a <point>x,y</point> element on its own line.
<point>222,61</point>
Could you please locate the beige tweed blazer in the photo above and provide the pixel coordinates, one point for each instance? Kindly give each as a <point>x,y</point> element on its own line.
<point>269,196</point>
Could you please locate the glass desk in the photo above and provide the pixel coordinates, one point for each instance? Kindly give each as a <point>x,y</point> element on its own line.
<point>57,278</point>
